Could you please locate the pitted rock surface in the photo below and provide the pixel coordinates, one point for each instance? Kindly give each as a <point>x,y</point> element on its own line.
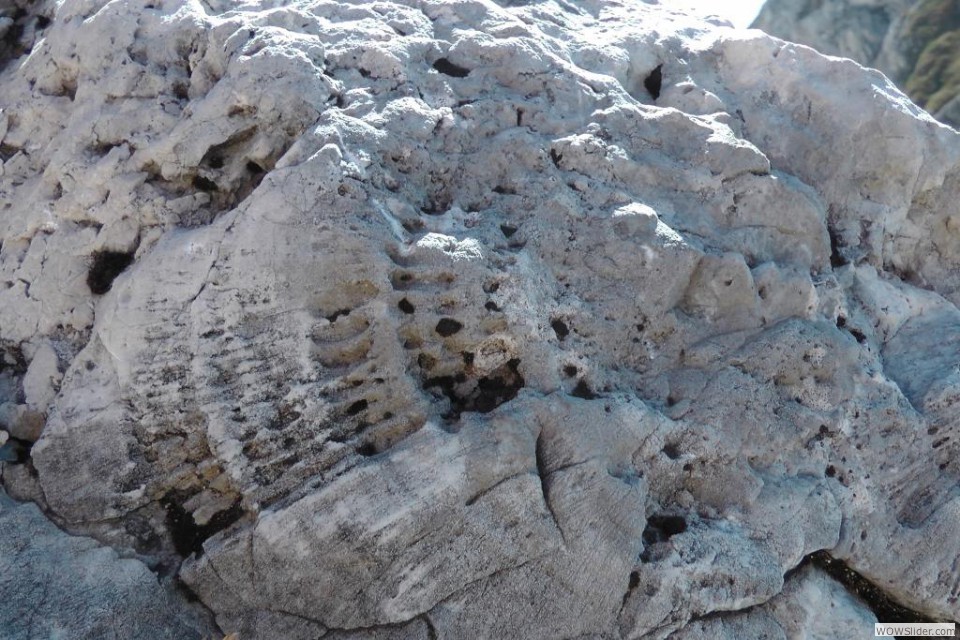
<point>465,319</point>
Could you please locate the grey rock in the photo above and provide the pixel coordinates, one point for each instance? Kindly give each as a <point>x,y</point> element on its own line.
<point>453,320</point>
<point>912,41</point>
<point>53,585</point>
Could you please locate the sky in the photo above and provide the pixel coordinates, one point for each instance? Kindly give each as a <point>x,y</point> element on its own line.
<point>740,12</point>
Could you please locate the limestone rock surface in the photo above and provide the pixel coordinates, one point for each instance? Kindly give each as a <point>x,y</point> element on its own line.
<point>474,319</point>
<point>59,586</point>
<point>915,42</point>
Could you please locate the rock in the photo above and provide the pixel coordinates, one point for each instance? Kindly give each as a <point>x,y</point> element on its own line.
<point>915,43</point>
<point>56,585</point>
<point>21,421</point>
<point>42,377</point>
<point>812,605</point>
<point>520,320</point>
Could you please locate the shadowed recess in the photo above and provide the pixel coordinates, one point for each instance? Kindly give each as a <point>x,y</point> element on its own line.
<point>107,265</point>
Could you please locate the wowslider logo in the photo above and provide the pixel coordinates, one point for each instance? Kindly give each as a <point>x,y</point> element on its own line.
<point>915,630</point>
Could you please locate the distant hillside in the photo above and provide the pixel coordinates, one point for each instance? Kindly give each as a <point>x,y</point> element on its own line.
<point>916,43</point>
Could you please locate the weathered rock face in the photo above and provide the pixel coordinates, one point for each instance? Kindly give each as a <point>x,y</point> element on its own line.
<point>465,319</point>
<point>60,586</point>
<point>915,42</point>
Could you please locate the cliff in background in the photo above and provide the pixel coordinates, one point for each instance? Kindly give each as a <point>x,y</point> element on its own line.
<point>915,42</point>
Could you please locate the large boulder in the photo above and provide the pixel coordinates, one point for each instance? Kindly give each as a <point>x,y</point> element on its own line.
<point>469,319</point>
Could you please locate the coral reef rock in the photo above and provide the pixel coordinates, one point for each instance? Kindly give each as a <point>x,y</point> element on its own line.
<point>915,42</point>
<point>465,319</point>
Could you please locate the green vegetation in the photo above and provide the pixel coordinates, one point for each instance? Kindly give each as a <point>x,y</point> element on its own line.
<point>926,22</point>
<point>936,78</point>
<point>932,31</point>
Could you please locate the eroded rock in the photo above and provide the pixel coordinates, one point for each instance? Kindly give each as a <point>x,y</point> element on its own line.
<point>433,319</point>
<point>56,585</point>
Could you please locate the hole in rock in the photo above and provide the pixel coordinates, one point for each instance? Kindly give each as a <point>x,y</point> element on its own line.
<point>204,184</point>
<point>671,450</point>
<point>10,46</point>
<point>188,536</point>
<point>357,407</point>
<point>491,306</point>
<point>508,230</point>
<point>337,314</point>
<point>836,257</point>
<point>560,328</point>
<point>500,386</point>
<point>107,265</point>
<point>367,449</point>
<point>556,157</point>
<point>254,168</point>
<point>448,326</point>
<point>435,207</point>
<point>661,528</point>
<point>583,390</point>
<point>858,335</point>
<point>448,68</point>
<point>654,82</point>
<point>406,306</point>
<point>570,370</point>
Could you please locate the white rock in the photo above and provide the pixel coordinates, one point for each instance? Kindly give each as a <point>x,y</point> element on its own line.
<point>41,381</point>
<point>443,316</point>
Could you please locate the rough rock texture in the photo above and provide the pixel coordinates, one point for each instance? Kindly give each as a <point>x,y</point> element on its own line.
<point>915,42</point>
<point>59,586</point>
<point>458,319</point>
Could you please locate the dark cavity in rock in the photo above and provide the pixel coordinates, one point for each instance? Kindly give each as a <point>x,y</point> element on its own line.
<point>583,391</point>
<point>886,609</point>
<point>654,82</point>
<point>448,326</point>
<point>489,392</point>
<point>560,328</point>
<point>188,536</point>
<point>661,528</point>
<point>448,68</point>
<point>107,265</point>
<point>406,306</point>
<point>836,256</point>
